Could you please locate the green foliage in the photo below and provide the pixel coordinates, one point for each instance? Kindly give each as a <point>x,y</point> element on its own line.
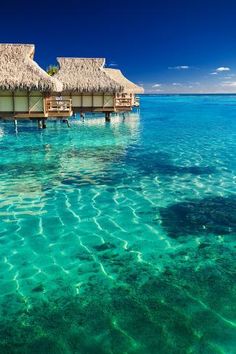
<point>52,69</point>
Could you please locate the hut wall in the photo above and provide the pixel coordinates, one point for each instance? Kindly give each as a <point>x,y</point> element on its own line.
<point>87,101</point>
<point>91,101</point>
<point>98,100</point>
<point>23,101</point>
<point>108,100</point>
<point>76,101</point>
<point>6,101</point>
<point>36,102</point>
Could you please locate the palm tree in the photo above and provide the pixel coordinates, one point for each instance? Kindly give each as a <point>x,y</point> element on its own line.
<point>52,69</point>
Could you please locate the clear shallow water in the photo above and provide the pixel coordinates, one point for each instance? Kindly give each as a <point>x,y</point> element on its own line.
<point>120,238</point>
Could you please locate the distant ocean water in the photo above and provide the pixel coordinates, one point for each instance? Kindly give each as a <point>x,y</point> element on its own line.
<point>120,238</point>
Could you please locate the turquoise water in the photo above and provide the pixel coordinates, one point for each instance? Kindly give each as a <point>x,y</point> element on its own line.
<point>120,238</point>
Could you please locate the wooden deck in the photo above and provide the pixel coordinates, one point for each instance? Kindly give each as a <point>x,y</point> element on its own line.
<point>123,102</point>
<point>58,108</point>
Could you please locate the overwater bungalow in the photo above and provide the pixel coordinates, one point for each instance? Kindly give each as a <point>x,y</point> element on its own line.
<point>94,88</point>
<point>80,85</point>
<point>25,88</point>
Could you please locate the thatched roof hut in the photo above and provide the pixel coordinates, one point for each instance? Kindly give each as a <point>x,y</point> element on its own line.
<point>86,75</point>
<point>129,87</point>
<point>18,70</point>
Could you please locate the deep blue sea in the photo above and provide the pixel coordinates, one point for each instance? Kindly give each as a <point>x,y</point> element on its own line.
<point>120,238</point>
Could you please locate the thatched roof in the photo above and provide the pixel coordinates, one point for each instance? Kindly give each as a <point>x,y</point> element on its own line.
<point>129,86</point>
<point>86,75</point>
<point>18,70</point>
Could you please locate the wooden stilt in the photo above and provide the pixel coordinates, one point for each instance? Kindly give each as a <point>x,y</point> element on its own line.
<point>44,124</point>
<point>82,116</point>
<point>40,125</point>
<point>15,125</point>
<point>67,122</point>
<point>107,116</point>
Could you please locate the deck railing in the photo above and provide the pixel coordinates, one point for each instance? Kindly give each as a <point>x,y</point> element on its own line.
<point>58,105</point>
<point>123,102</point>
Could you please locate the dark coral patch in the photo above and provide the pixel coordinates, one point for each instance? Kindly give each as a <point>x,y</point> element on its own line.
<point>216,215</point>
<point>162,164</point>
<point>39,288</point>
<point>104,246</point>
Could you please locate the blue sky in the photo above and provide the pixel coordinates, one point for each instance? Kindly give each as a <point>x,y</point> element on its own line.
<point>167,46</point>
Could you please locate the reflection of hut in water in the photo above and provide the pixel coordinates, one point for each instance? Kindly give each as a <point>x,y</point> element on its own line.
<point>94,88</point>
<point>90,158</point>
<point>25,88</point>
